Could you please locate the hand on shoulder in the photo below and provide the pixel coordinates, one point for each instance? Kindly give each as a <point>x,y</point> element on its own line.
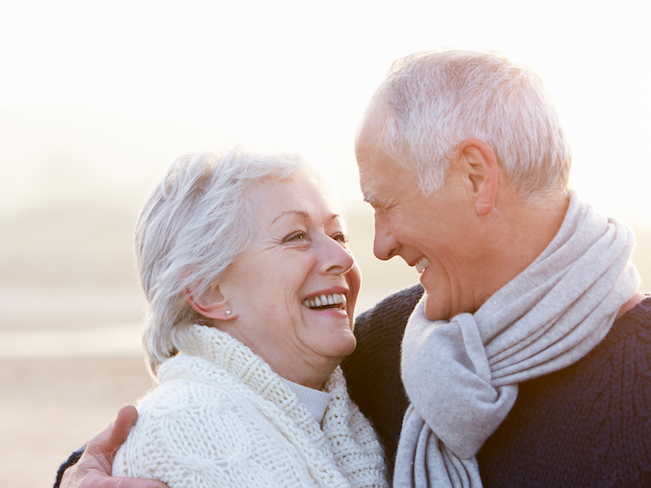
<point>94,467</point>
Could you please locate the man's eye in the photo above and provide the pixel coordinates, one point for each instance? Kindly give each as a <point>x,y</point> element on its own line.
<point>295,236</point>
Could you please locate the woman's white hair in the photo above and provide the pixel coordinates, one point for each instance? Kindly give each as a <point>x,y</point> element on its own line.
<point>436,99</point>
<point>192,227</point>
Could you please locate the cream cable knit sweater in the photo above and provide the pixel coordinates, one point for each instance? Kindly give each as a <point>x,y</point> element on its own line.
<point>222,418</point>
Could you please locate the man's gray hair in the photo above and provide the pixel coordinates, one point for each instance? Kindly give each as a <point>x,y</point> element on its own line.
<point>193,225</point>
<point>438,98</point>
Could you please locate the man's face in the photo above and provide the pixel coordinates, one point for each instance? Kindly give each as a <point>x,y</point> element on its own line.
<point>433,233</point>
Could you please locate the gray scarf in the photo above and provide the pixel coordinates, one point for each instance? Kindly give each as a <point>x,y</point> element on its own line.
<point>462,376</point>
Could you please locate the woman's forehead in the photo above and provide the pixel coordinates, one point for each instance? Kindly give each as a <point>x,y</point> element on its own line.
<point>293,198</point>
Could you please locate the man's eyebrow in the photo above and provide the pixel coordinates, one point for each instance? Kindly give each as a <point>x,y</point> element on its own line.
<point>370,198</point>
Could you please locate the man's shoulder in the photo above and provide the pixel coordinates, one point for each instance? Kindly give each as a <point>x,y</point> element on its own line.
<point>629,337</point>
<point>391,313</point>
<point>640,316</point>
<point>620,359</point>
<point>589,419</point>
<point>379,334</point>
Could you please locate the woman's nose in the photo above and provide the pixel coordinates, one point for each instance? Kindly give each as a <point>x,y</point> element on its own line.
<point>336,258</point>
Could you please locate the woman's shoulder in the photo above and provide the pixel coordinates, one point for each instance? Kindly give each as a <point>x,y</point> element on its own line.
<point>219,434</point>
<point>190,368</point>
<point>189,380</point>
<point>189,422</point>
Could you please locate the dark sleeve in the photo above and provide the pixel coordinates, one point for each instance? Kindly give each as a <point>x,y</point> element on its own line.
<point>373,370</point>
<point>72,460</point>
<point>584,426</point>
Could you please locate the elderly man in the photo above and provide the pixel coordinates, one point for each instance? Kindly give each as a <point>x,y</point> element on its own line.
<point>526,361</point>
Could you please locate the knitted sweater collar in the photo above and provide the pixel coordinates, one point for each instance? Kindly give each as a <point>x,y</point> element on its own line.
<point>346,438</point>
<point>237,359</point>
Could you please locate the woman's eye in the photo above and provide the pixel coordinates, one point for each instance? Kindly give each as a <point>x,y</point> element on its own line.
<point>340,237</point>
<point>295,236</point>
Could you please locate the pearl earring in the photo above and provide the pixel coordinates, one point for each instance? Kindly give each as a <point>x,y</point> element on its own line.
<point>228,313</point>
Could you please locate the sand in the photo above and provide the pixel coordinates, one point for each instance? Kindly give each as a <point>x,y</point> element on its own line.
<point>51,406</point>
<point>64,375</point>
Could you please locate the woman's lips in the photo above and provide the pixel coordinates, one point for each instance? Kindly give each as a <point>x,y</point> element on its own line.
<point>326,301</point>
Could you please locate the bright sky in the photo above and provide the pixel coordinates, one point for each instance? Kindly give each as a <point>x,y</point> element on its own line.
<point>297,74</point>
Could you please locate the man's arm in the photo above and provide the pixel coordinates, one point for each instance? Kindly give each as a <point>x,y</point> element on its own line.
<point>93,470</point>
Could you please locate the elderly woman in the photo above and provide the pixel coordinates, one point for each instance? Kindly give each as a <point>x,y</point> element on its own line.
<point>251,293</point>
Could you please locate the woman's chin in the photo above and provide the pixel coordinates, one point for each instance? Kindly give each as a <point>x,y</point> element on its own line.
<point>338,347</point>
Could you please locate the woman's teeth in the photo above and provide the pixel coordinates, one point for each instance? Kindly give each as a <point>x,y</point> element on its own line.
<point>422,264</point>
<point>334,300</point>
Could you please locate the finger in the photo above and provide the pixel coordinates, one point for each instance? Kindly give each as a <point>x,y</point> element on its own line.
<point>101,449</point>
<point>119,429</point>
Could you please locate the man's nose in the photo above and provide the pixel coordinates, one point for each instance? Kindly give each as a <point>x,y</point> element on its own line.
<point>385,245</point>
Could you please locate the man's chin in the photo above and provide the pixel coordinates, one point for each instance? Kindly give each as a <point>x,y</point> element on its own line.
<point>434,309</point>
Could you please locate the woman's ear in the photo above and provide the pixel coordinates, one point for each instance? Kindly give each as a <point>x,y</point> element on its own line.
<point>211,303</point>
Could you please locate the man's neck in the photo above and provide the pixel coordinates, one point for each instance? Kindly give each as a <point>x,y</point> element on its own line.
<point>534,229</point>
<point>524,233</point>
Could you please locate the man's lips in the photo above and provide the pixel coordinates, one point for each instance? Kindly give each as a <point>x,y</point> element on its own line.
<point>421,264</point>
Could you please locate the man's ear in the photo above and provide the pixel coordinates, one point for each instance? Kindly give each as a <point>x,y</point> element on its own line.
<point>481,173</point>
<point>211,303</point>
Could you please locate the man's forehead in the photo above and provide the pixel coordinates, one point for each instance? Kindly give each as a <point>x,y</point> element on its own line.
<point>367,169</point>
<point>370,127</point>
<point>377,177</point>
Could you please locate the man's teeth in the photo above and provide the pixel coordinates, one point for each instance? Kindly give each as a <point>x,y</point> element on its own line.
<point>334,300</point>
<point>422,264</point>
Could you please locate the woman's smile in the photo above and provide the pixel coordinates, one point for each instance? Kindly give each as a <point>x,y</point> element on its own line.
<point>294,288</point>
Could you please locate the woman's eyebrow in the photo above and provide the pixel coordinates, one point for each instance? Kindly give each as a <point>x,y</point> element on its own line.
<point>300,213</point>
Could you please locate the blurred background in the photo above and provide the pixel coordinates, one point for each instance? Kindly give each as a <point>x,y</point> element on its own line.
<point>97,99</point>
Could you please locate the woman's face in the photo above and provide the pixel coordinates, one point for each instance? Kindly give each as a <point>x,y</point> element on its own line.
<point>297,257</point>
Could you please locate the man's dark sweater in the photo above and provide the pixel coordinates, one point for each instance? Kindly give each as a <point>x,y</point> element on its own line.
<point>588,425</point>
